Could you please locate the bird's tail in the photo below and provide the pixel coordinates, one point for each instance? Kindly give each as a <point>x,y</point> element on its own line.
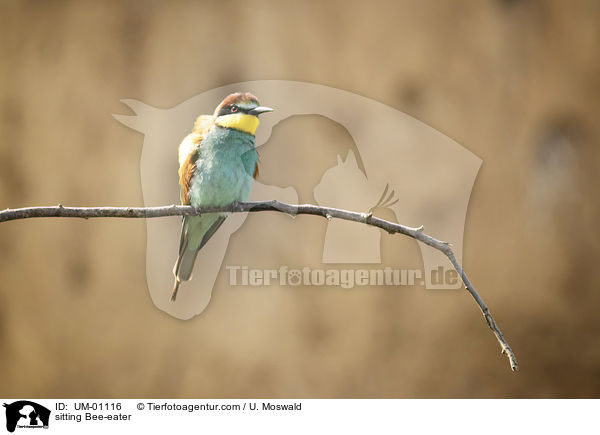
<point>195,232</point>
<point>183,268</point>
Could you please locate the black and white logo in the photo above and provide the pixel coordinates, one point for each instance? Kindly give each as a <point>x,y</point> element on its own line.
<point>26,414</point>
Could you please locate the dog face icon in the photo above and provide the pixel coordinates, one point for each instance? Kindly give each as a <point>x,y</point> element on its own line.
<point>26,413</point>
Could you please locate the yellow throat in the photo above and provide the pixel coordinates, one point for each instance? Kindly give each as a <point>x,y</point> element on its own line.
<point>239,121</point>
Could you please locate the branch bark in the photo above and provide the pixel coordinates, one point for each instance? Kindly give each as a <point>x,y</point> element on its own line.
<point>291,209</point>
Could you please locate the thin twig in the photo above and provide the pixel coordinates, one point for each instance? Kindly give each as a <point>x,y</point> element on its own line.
<point>291,209</point>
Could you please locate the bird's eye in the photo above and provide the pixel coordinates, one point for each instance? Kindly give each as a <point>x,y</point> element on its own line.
<point>234,109</point>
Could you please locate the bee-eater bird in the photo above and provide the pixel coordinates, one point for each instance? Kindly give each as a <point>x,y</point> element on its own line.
<point>217,165</point>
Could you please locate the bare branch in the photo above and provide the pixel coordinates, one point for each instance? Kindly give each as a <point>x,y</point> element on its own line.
<point>291,209</point>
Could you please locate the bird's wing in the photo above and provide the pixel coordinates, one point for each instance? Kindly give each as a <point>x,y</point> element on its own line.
<point>255,175</point>
<point>201,127</point>
<point>188,153</point>
<point>186,171</point>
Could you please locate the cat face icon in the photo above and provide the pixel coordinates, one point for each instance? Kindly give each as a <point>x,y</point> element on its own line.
<point>347,187</point>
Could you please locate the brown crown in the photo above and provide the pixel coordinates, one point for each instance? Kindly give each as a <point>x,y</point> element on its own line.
<point>236,98</point>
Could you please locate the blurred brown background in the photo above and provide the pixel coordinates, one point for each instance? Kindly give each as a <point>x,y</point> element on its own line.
<point>516,82</point>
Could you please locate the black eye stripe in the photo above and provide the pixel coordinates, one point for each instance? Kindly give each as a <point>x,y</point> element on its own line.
<point>226,110</point>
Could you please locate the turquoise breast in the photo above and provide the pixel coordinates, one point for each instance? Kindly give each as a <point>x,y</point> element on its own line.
<point>224,168</point>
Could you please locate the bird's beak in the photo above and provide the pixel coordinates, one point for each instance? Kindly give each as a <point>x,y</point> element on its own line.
<point>258,110</point>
